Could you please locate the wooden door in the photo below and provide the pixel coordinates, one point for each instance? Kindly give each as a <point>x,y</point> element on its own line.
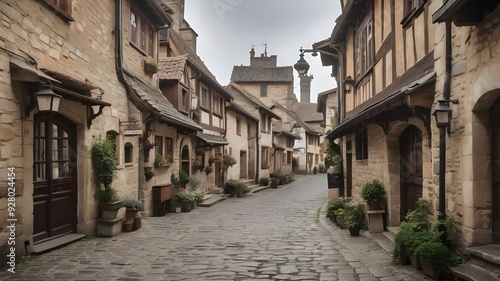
<point>243,165</point>
<point>495,155</point>
<point>410,146</point>
<point>54,177</point>
<point>348,180</point>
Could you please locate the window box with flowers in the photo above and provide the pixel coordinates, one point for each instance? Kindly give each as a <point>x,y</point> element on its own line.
<point>151,66</point>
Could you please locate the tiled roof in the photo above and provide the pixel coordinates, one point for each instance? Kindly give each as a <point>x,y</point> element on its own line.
<point>252,98</point>
<point>160,104</point>
<point>308,126</point>
<point>307,111</point>
<point>172,68</point>
<point>195,60</point>
<point>262,74</point>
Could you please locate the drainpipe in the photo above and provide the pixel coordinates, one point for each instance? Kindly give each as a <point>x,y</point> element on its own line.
<point>120,74</point>
<point>257,140</point>
<point>442,129</point>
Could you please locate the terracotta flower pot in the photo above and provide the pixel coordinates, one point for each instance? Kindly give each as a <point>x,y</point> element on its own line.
<point>128,224</point>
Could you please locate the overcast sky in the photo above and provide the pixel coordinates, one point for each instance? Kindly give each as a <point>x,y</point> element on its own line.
<point>228,29</point>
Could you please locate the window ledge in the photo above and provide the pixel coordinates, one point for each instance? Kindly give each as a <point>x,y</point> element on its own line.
<point>61,13</point>
<point>414,13</point>
<point>129,164</point>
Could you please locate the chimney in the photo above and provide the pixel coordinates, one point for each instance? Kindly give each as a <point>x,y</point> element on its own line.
<point>305,88</point>
<point>252,53</point>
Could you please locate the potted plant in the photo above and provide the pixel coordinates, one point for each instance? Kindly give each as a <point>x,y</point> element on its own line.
<point>208,170</point>
<point>128,225</point>
<point>104,164</point>
<point>275,178</point>
<point>228,161</point>
<point>333,206</point>
<point>264,181</point>
<point>339,217</point>
<point>160,161</point>
<point>230,187</point>
<point>132,206</point>
<point>151,66</point>
<point>198,196</point>
<point>435,257</point>
<point>148,173</point>
<point>373,192</point>
<point>184,200</point>
<point>241,189</point>
<point>410,235</point>
<point>354,217</point>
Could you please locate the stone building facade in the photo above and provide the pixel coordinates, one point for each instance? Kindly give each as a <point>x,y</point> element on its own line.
<point>384,126</point>
<point>96,63</point>
<point>473,142</point>
<point>267,81</point>
<point>407,74</point>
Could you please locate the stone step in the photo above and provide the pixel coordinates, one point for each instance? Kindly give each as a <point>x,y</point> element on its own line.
<point>471,272</point>
<point>391,234</point>
<point>381,239</point>
<point>211,200</point>
<point>486,257</point>
<point>256,188</point>
<point>57,242</point>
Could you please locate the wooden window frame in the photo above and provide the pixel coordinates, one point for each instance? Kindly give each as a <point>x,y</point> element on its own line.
<point>217,104</point>
<point>63,8</point>
<point>364,48</point>
<point>142,34</point>
<point>411,10</point>
<point>169,147</point>
<point>159,145</point>
<point>362,144</point>
<point>205,97</point>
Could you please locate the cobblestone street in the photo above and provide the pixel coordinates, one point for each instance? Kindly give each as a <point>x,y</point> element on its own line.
<point>276,234</point>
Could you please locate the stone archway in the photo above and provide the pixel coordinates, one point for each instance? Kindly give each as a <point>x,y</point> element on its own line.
<point>393,184</point>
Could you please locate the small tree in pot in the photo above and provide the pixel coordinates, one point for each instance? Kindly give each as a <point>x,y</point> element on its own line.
<point>373,192</point>
<point>104,164</point>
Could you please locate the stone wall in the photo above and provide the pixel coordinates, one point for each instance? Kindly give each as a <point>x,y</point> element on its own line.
<point>82,49</point>
<point>475,83</point>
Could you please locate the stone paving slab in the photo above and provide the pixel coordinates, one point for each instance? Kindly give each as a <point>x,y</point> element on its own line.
<point>276,234</point>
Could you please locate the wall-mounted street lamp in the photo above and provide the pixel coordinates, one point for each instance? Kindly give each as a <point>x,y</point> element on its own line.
<point>348,84</point>
<point>47,100</point>
<point>194,102</point>
<point>443,116</point>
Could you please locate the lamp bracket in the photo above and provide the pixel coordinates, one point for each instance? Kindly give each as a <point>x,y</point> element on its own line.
<point>91,115</point>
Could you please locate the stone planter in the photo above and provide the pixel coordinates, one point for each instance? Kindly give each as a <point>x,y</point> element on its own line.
<point>110,210</point>
<point>376,221</point>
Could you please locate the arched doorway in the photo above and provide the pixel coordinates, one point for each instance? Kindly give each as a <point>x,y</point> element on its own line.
<point>410,146</point>
<point>54,176</point>
<point>495,159</point>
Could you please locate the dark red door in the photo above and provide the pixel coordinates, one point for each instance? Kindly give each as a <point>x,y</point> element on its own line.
<point>410,145</point>
<point>54,176</point>
<point>495,155</point>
